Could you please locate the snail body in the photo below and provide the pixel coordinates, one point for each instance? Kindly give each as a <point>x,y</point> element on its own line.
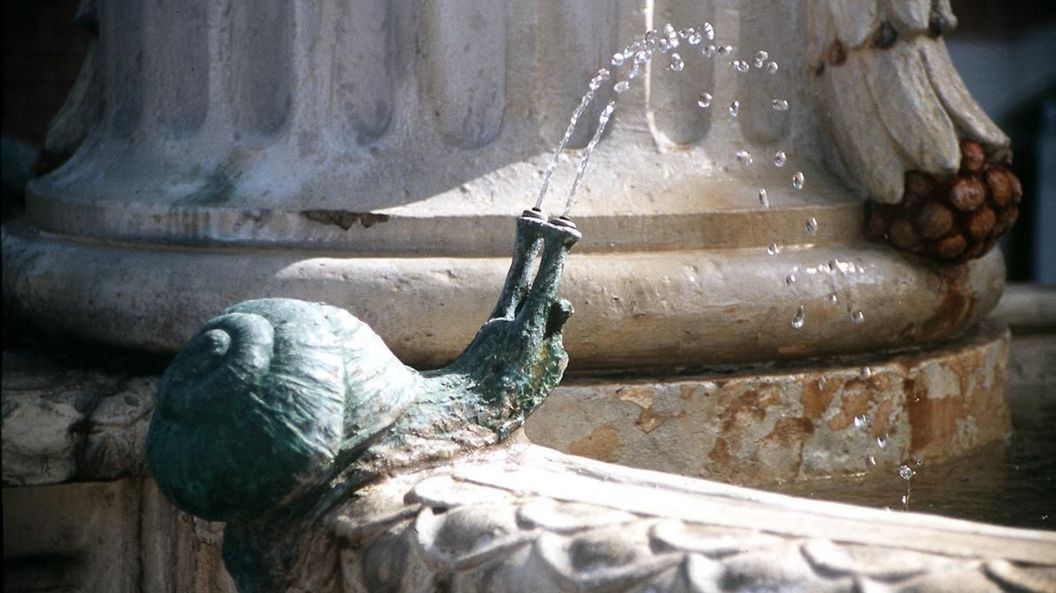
<point>278,392</point>
<point>274,398</point>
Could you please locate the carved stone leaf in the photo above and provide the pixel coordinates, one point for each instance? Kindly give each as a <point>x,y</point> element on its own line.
<point>891,97</point>
<point>910,110</point>
<point>958,102</point>
<point>855,124</point>
<point>534,520</point>
<point>568,517</point>
<point>469,535</point>
<point>853,21</point>
<point>909,15</point>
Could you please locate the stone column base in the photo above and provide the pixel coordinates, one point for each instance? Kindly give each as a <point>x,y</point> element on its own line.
<point>771,425</point>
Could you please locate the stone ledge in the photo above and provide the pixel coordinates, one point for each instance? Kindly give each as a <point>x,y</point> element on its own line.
<point>635,310</point>
<point>774,425</point>
<point>63,422</point>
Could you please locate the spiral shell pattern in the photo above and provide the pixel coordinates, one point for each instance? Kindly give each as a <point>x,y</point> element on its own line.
<point>268,400</point>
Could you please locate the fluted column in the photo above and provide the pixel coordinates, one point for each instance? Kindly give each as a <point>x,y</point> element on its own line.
<point>372,154</point>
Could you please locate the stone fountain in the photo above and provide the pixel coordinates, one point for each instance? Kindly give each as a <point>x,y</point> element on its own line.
<point>371,156</point>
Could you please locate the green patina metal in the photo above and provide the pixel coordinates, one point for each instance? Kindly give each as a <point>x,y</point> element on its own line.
<point>278,408</point>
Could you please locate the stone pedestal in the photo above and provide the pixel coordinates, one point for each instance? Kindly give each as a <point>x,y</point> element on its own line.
<point>373,155</point>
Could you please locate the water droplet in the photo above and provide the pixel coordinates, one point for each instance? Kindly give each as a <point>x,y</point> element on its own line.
<point>671,34</point>
<point>870,460</point>
<point>641,57</point>
<point>798,180</point>
<point>881,441</point>
<point>617,59</point>
<point>735,108</point>
<point>744,157</point>
<point>708,51</point>
<point>865,373</point>
<point>780,158</point>
<point>905,472</point>
<point>857,316</point>
<point>740,66</point>
<point>704,101</point>
<point>771,67</point>
<point>760,58</point>
<point>763,199</point>
<point>833,298</point>
<point>650,36</point>
<point>773,248</point>
<point>634,72</point>
<point>811,226</point>
<point>676,63</point>
<point>621,86</point>
<point>725,50</point>
<point>693,37</point>
<point>799,319</point>
<point>790,279</point>
<point>918,459</point>
<point>709,31</point>
<point>859,421</point>
<point>602,76</point>
<point>665,45</point>
<point>779,104</point>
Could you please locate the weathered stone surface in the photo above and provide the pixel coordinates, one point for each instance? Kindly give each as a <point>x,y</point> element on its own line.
<point>750,428</point>
<point>656,308</point>
<point>626,530</point>
<point>107,537</point>
<point>776,425</point>
<point>392,199</point>
<point>64,422</point>
<point>75,537</point>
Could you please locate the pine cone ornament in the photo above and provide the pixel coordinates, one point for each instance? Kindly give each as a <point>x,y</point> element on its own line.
<point>952,219</point>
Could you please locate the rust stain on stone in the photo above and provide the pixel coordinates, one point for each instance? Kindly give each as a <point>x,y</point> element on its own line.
<point>600,444</point>
<point>956,307</point>
<point>882,418</point>
<point>719,457</point>
<point>344,218</point>
<point>856,401</point>
<point>649,420</point>
<point>791,430</point>
<point>817,396</point>
<point>641,396</point>
<point>977,414</point>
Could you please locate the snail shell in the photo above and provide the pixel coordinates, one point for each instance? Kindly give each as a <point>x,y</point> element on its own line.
<point>267,400</point>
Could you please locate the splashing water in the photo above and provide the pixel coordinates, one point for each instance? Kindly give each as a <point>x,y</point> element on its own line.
<point>628,64</point>
<point>576,114</point>
<point>905,472</point>
<point>603,120</point>
<point>764,201</point>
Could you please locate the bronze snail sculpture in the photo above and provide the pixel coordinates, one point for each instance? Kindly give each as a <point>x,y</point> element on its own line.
<point>277,407</point>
